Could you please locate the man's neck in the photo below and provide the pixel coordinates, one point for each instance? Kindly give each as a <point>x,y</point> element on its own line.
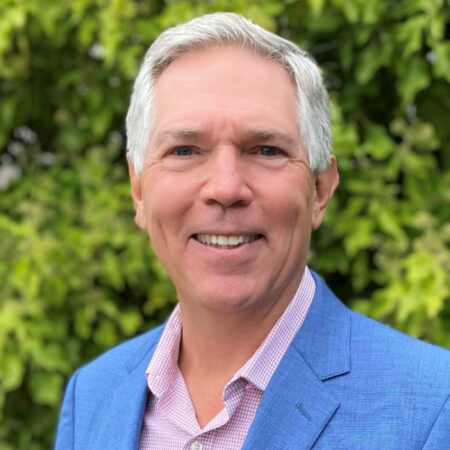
<point>215,345</point>
<point>219,346</point>
<point>217,341</point>
<point>210,356</point>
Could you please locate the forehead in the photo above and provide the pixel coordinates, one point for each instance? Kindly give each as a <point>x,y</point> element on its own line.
<point>225,84</point>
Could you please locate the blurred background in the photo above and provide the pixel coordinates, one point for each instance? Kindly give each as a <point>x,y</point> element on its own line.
<point>77,276</point>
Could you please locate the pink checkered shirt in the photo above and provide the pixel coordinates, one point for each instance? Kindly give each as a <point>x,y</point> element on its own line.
<point>170,422</point>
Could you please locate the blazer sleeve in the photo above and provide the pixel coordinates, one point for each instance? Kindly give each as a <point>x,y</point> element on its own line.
<point>66,425</point>
<point>439,437</point>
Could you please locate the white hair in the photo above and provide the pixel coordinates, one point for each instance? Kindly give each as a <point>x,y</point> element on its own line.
<point>231,29</point>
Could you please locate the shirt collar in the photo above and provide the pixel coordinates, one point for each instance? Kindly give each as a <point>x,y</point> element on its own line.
<point>163,367</point>
<point>261,366</point>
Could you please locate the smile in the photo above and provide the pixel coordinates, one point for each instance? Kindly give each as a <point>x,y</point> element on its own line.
<point>222,241</point>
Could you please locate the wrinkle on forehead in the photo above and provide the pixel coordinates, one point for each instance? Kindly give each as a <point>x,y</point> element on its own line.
<point>228,93</point>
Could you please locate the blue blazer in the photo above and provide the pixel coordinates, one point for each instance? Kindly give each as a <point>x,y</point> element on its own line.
<point>346,382</point>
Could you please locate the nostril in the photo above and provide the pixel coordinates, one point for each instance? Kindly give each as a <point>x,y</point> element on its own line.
<point>230,192</point>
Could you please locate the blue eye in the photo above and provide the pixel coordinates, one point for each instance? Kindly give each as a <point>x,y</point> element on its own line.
<point>183,150</point>
<point>268,150</point>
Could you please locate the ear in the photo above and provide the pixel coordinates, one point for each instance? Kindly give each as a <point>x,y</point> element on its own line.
<point>325,184</point>
<point>136,194</point>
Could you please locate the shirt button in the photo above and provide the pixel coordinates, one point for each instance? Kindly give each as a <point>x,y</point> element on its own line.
<point>196,446</point>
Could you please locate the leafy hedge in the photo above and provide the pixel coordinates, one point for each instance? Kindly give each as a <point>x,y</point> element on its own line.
<point>77,276</point>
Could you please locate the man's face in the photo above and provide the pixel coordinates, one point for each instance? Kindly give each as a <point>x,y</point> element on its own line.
<point>226,194</point>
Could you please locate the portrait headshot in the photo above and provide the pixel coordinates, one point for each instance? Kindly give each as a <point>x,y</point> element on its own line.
<point>232,169</point>
<point>224,225</point>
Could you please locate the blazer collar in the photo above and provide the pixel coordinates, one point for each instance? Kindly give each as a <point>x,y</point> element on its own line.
<point>297,405</point>
<point>324,338</point>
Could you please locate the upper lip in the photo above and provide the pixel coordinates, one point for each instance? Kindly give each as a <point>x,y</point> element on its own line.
<point>228,232</point>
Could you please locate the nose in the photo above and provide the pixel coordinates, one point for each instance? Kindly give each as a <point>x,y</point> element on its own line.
<point>227,179</point>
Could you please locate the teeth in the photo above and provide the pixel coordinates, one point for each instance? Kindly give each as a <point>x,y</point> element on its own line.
<point>221,240</point>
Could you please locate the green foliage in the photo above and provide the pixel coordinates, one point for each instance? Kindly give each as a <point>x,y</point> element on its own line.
<point>384,246</point>
<point>77,276</point>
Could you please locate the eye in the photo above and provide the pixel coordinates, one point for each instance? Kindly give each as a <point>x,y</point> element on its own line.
<point>183,150</point>
<point>183,157</point>
<point>268,150</point>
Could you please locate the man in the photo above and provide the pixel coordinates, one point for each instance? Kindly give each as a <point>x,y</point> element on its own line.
<point>229,155</point>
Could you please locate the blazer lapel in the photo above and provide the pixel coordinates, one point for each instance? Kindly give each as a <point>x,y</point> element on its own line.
<point>294,409</point>
<point>297,406</point>
<point>122,427</point>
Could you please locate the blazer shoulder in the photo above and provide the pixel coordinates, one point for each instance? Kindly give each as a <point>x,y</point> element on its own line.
<point>333,333</point>
<point>92,388</point>
<point>123,357</point>
<point>388,348</point>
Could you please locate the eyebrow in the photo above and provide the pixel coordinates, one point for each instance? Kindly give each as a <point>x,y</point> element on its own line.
<point>266,135</point>
<point>257,134</point>
<point>180,134</point>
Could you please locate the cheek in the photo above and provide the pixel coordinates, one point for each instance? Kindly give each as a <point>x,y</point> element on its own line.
<point>166,203</point>
<point>293,217</point>
<point>288,199</point>
<point>288,212</point>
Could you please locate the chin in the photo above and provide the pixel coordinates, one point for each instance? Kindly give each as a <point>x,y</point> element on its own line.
<point>228,298</point>
<point>231,304</point>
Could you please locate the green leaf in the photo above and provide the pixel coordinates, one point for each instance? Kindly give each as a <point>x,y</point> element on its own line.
<point>45,388</point>
<point>129,321</point>
<point>316,6</point>
<point>11,371</point>
<point>105,335</point>
<point>378,143</point>
<point>361,236</point>
<point>371,59</point>
<point>441,66</point>
<point>413,78</point>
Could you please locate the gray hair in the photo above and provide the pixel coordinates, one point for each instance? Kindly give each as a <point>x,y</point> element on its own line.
<point>232,29</point>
